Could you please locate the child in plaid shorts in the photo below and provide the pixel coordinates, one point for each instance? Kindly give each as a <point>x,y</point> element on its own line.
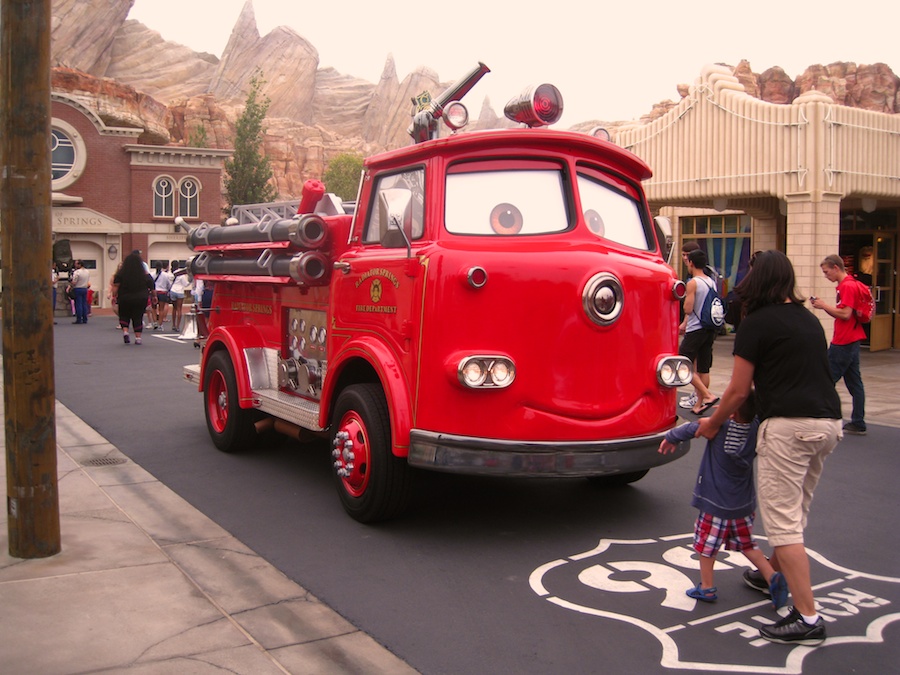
<point>725,494</point>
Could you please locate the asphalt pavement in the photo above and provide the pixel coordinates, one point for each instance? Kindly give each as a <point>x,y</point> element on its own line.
<point>146,583</point>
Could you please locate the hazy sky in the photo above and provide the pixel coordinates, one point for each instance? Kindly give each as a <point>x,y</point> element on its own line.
<point>610,61</point>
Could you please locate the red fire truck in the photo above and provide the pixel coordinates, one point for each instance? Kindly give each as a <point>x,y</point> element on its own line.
<point>494,302</point>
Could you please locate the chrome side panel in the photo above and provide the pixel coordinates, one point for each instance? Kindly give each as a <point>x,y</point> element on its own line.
<point>262,367</point>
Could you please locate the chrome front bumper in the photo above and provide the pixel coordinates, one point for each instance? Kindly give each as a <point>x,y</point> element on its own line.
<point>471,455</point>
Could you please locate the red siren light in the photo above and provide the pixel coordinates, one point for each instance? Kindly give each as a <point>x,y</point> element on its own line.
<point>536,106</point>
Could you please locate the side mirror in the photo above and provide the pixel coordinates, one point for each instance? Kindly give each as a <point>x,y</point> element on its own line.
<point>663,228</point>
<point>395,216</point>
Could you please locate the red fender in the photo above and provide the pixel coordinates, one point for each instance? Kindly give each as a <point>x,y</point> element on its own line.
<point>392,380</point>
<point>234,339</point>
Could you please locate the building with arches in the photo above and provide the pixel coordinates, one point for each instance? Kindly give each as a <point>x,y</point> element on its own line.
<point>113,194</point>
<point>810,178</point>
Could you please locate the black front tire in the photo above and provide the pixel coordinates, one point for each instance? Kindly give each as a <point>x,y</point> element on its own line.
<point>230,426</point>
<point>373,484</point>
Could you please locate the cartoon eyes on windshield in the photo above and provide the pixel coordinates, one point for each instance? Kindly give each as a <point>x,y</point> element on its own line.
<point>506,219</point>
<point>594,222</point>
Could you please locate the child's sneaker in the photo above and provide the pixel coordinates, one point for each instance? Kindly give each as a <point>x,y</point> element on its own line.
<point>127,338</point>
<point>778,589</point>
<point>703,594</point>
<point>755,580</point>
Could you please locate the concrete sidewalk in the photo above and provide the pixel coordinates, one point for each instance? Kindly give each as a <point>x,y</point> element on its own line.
<point>145,583</point>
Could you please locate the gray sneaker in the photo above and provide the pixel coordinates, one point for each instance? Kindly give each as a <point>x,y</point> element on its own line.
<point>755,580</point>
<point>793,630</point>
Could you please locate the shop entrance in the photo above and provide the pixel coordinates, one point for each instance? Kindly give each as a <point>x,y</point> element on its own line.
<point>868,246</point>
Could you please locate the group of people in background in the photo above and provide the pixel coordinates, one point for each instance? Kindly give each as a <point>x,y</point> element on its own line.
<point>171,288</point>
<point>780,408</point>
<point>136,292</point>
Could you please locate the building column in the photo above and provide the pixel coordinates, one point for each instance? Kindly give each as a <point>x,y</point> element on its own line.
<point>765,234</point>
<point>813,232</point>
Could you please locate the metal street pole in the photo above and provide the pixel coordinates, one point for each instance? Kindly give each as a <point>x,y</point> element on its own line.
<point>25,217</point>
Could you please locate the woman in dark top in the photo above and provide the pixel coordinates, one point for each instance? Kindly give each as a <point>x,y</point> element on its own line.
<point>781,349</point>
<point>132,286</point>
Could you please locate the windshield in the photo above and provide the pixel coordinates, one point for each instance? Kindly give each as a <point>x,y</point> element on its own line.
<point>612,215</point>
<point>506,202</point>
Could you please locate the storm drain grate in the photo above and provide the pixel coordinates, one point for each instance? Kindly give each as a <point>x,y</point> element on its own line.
<point>104,461</point>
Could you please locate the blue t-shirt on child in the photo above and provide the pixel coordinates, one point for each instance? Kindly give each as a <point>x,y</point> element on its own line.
<point>724,486</point>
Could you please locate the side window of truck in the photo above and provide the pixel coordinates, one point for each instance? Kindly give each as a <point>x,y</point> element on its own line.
<point>398,201</point>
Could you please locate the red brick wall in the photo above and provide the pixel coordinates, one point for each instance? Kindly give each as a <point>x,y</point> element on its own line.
<point>112,186</point>
<point>134,241</point>
<point>143,177</point>
<point>104,185</point>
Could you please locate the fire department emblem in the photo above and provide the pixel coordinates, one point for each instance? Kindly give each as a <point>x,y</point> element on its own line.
<point>421,101</point>
<point>642,582</point>
<point>375,291</point>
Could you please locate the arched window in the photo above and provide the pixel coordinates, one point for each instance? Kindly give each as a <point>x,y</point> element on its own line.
<point>189,198</point>
<point>164,198</point>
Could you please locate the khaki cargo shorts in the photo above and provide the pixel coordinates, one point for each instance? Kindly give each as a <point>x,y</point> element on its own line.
<point>791,453</point>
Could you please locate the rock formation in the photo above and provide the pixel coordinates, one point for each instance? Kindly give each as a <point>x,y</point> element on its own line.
<point>165,70</point>
<point>82,32</point>
<point>132,77</point>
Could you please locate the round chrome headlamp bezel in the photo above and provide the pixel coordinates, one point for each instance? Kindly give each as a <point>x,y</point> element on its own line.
<point>603,299</point>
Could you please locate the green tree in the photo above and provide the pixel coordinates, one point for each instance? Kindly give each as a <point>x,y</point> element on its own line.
<point>198,138</point>
<point>248,172</point>
<point>342,175</point>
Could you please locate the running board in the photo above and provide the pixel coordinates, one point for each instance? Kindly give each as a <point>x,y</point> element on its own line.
<point>262,365</point>
<point>294,409</point>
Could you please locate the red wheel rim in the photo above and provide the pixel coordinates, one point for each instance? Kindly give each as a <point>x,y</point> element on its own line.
<point>217,401</point>
<point>353,454</point>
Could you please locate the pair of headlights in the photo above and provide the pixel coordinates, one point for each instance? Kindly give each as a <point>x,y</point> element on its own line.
<point>483,372</point>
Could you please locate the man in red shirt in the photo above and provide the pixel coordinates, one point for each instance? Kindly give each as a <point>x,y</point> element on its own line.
<point>843,353</point>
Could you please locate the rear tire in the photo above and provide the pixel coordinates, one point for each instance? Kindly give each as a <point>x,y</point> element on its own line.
<point>230,426</point>
<point>372,483</point>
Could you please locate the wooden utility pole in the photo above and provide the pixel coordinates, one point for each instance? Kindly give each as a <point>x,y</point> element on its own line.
<point>25,218</point>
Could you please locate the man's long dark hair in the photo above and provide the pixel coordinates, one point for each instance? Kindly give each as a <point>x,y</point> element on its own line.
<point>770,281</point>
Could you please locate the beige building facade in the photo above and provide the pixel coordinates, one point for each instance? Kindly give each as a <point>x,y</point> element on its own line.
<point>811,178</point>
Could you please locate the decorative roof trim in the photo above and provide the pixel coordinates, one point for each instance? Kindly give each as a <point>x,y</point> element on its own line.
<point>94,117</point>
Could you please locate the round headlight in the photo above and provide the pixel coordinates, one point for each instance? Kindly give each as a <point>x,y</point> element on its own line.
<point>455,115</point>
<point>602,299</point>
<point>472,373</point>
<point>667,374</point>
<point>502,373</point>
